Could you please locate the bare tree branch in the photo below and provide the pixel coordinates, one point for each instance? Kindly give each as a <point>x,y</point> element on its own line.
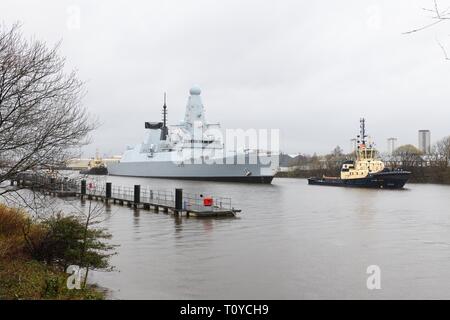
<point>440,16</point>
<point>423,27</point>
<point>443,49</point>
<point>42,119</point>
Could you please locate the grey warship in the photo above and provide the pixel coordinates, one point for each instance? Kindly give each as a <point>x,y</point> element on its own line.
<point>193,150</point>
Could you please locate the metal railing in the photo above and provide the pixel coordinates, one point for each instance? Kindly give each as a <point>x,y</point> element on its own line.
<point>190,201</point>
<point>161,197</point>
<point>196,201</point>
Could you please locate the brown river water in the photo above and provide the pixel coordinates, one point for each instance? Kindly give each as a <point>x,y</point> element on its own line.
<point>291,241</point>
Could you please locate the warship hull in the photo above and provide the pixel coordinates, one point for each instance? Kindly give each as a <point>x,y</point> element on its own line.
<point>248,173</point>
<point>382,180</point>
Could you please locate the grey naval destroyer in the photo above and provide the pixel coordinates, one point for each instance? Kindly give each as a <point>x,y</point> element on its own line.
<point>193,150</point>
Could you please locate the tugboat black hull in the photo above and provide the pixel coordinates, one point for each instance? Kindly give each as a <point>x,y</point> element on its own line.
<point>98,171</point>
<point>381,180</point>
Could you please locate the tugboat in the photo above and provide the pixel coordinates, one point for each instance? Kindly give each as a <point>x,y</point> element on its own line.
<point>367,171</point>
<point>96,167</point>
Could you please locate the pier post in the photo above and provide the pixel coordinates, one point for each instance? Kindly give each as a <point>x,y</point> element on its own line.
<point>178,200</point>
<point>83,188</point>
<point>137,194</point>
<point>65,184</point>
<point>108,190</point>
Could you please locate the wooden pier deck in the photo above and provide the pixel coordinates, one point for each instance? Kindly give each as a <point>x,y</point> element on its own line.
<point>177,202</point>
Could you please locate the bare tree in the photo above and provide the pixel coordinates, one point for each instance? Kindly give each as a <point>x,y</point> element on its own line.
<point>94,253</point>
<point>409,155</point>
<point>442,151</point>
<point>42,119</point>
<point>438,16</point>
<point>335,158</point>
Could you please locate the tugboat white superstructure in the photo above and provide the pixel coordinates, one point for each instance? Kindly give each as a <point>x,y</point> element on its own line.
<point>193,150</point>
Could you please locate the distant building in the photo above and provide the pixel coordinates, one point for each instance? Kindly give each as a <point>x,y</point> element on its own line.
<point>353,144</point>
<point>77,164</point>
<point>391,145</point>
<point>425,141</point>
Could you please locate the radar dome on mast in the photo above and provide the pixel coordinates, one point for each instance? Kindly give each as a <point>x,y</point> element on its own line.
<point>195,91</point>
<point>195,112</point>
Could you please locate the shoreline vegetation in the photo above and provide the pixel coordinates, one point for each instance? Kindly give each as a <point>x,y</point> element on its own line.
<point>43,121</point>
<point>27,279</point>
<point>35,254</point>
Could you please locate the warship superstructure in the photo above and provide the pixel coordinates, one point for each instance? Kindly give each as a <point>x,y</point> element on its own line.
<point>193,150</point>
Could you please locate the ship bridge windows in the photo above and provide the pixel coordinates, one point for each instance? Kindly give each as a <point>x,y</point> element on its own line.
<point>347,166</point>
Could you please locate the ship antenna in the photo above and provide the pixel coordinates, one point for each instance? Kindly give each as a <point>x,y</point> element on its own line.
<point>164,111</point>
<point>363,135</point>
<point>164,130</point>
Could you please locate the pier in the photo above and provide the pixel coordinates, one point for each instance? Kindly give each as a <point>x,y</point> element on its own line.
<point>176,202</point>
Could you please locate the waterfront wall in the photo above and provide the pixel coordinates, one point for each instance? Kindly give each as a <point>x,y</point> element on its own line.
<point>430,174</point>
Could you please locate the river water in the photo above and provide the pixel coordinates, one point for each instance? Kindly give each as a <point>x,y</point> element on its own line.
<point>291,241</point>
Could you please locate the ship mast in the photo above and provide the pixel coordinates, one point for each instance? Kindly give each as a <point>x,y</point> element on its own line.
<point>164,111</point>
<point>164,130</point>
<point>363,130</point>
<point>362,137</point>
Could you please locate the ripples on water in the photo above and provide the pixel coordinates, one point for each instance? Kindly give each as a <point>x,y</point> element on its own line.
<point>292,241</point>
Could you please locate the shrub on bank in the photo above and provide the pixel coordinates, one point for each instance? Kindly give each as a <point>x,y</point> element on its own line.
<point>34,255</point>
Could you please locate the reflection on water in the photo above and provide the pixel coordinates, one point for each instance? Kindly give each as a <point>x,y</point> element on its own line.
<point>292,241</point>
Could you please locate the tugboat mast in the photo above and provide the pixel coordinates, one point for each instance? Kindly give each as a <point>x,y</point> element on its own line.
<point>361,151</point>
<point>362,134</point>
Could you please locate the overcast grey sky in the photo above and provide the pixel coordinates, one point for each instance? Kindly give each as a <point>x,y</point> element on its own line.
<point>310,68</point>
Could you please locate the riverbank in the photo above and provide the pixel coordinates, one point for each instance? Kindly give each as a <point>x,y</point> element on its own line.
<point>437,175</point>
<point>33,280</point>
<point>23,277</point>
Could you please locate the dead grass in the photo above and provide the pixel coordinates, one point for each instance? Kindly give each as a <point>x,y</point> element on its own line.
<point>12,241</point>
<point>21,277</point>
